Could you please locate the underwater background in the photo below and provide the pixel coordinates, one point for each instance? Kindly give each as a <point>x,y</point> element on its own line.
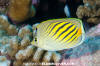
<point>18,19</point>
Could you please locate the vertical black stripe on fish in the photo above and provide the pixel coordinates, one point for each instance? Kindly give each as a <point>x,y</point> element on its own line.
<point>54,27</point>
<point>72,35</point>
<point>68,34</point>
<point>65,30</point>
<point>60,28</point>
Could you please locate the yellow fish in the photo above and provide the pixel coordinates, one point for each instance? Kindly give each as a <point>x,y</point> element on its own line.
<point>59,34</point>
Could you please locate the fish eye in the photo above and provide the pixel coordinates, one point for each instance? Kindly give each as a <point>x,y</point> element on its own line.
<point>35,39</point>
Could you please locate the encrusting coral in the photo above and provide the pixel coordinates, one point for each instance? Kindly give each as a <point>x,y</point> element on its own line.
<point>20,10</point>
<point>15,45</point>
<point>90,10</point>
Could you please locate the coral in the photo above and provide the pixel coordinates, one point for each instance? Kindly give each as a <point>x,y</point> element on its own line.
<point>7,31</point>
<point>15,44</point>
<point>16,48</point>
<point>4,6</point>
<point>4,61</point>
<point>27,30</point>
<point>25,41</point>
<point>4,22</point>
<point>2,33</point>
<point>20,10</point>
<point>36,56</point>
<point>10,29</point>
<point>25,54</point>
<point>90,10</point>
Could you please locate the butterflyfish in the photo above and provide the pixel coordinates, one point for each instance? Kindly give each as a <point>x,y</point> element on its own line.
<point>59,34</point>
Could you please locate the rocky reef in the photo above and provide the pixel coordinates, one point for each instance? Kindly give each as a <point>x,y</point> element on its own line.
<point>90,11</point>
